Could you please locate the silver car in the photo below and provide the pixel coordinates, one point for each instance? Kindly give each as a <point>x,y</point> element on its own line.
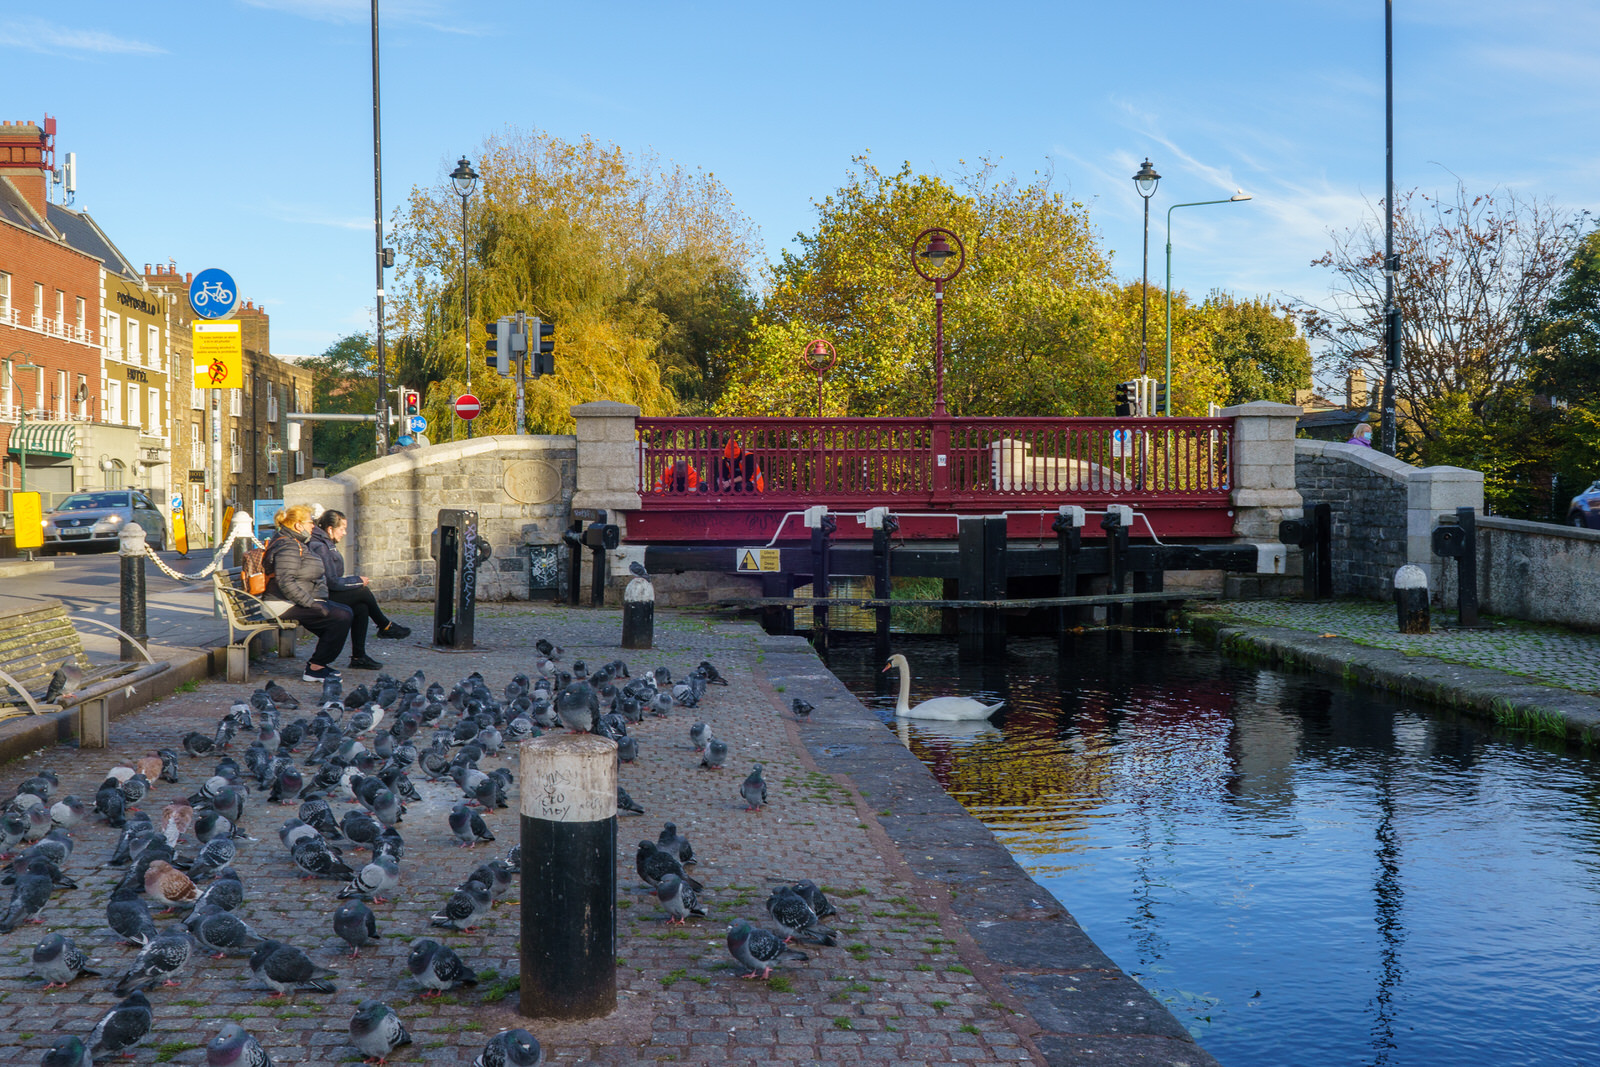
<point>96,519</point>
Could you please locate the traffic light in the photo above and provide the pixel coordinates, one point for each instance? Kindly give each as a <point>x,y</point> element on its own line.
<point>1161,399</point>
<point>410,402</point>
<point>544,358</point>
<point>498,346</point>
<point>1125,397</point>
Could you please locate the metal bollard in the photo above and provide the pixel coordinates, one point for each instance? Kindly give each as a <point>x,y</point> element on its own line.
<point>1411,599</point>
<point>455,595</point>
<point>1456,537</point>
<point>132,550</point>
<point>569,877</point>
<point>639,614</point>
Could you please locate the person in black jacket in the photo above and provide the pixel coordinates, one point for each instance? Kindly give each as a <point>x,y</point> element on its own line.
<point>353,592</point>
<point>293,573</point>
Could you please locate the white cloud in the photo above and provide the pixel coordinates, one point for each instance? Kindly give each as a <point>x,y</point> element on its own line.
<point>301,215</point>
<point>37,35</point>
<point>345,12</point>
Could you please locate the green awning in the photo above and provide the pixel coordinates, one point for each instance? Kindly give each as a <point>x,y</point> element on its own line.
<point>46,439</point>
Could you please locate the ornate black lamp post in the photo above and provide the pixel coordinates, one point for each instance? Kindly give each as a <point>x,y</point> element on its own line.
<point>1146,181</point>
<point>465,180</point>
<point>935,258</point>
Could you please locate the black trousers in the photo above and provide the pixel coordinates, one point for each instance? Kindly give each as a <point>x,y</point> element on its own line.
<point>330,622</point>
<point>363,606</point>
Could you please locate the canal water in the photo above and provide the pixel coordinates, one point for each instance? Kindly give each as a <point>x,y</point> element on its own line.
<point>1304,873</point>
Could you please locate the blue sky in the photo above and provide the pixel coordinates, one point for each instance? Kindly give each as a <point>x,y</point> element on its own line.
<point>237,133</point>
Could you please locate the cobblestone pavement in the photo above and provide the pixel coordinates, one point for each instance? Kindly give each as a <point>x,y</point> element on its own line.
<point>1550,655</point>
<point>896,990</point>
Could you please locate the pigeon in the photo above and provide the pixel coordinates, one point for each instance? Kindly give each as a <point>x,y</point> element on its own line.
<point>284,969</point>
<point>679,900</point>
<point>226,893</point>
<point>575,705</point>
<point>281,696</point>
<point>58,961</point>
<point>758,949</point>
<point>497,876</point>
<point>28,896</point>
<point>314,857</point>
<point>802,710</point>
<point>198,744</point>
<point>355,923</point>
<point>676,844</point>
<point>234,1047</point>
<point>376,1031</point>
<point>68,812</point>
<point>127,914</point>
<point>812,894</point>
<point>437,968</point>
<point>716,754</point>
<point>217,854</point>
<point>627,803</point>
<point>170,886</point>
<point>360,827</point>
<point>699,734</point>
<point>465,906</point>
<point>468,826</point>
<point>794,918</point>
<point>637,570</point>
<point>754,790</point>
<point>222,933</point>
<point>162,960</point>
<point>123,1027</point>
<point>653,864</point>
<point>709,673</point>
<point>627,748</point>
<point>511,1048</point>
<point>67,1052</point>
<point>135,788</point>
<point>380,876</point>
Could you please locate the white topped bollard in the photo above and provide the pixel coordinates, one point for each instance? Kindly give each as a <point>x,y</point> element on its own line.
<point>131,549</point>
<point>639,614</point>
<point>1411,599</point>
<point>569,877</point>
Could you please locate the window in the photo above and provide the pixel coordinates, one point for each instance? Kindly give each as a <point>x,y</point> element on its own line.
<point>272,407</point>
<point>61,311</point>
<point>197,398</point>
<point>38,305</point>
<point>5,297</point>
<point>272,454</point>
<point>236,458</point>
<point>114,402</point>
<point>152,410</point>
<point>235,402</point>
<point>61,394</point>
<point>197,447</point>
<point>38,394</point>
<point>133,405</point>
<point>81,397</point>
<point>5,390</point>
<point>112,329</point>
<point>133,341</point>
<point>299,462</point>
<point>77,320</point>
<point>152,345</point>
<point>114,473</point>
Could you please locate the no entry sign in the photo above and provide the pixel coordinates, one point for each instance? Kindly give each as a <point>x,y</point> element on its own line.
<point>467,407</point>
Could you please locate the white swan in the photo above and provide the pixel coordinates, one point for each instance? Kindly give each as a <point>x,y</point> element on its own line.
<point>951,709</point>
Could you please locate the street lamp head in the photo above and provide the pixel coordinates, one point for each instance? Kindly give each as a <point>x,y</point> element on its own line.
<point>1240,195</point>
<point>942,258</point>
<point>464,178</point>
<point>1146,180</point>
<point>938,249</point>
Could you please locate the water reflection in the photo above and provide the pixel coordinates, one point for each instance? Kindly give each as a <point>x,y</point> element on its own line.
<point>1304,873</point>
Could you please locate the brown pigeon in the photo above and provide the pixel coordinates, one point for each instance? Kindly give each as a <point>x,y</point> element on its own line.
<point>172,887</point>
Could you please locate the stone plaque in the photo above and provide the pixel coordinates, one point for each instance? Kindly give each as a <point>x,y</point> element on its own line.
<point>533,481</point>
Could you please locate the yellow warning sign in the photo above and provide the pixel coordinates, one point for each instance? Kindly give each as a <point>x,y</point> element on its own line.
<point>757,559</point>
<point>218,355</point>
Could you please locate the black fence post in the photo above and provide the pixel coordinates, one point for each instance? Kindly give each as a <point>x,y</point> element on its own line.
<point>883,526</point>
<point>969,584</point>
<point>1115,524</point>
<point>994,584</point>
<point>131,548</point>
<point>639,614</point>
<point>821,537</point>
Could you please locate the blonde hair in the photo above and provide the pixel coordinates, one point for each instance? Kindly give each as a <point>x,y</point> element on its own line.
<point>1367,426</point>
<point>292,516</point>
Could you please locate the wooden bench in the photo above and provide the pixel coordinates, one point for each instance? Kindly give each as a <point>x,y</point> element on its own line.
<point>247,616</point>
<point>43,669</point>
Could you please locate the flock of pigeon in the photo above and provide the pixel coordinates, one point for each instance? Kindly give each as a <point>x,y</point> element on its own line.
<point>363,750</point>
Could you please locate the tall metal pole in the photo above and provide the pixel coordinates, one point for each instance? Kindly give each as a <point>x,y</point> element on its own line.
<point>1234,199</point>
<point>216,468</point>
<point>938,351</point>
<point>466,304</point>
<point>1144,315</point>
<point>521,358</point>
<point>1391,332</point>
<point>377,231</point>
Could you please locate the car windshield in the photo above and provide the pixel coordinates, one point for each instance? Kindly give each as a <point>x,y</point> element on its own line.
<point>85,501</point>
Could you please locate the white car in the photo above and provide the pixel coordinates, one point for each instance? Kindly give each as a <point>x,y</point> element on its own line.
<point>95,520</point>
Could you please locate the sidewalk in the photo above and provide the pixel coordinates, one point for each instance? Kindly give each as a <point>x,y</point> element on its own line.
<point>1531,676</point>
<point>947,951</point>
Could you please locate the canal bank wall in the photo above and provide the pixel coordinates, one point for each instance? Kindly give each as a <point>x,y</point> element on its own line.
<point>1537,679</point>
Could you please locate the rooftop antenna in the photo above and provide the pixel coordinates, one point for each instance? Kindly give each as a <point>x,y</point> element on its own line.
<point>69,174</point>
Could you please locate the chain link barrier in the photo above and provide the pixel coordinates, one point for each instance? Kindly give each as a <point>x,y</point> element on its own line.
<point>240,530</point>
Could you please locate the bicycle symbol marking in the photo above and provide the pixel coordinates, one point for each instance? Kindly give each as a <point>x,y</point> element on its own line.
<point>210,291</point>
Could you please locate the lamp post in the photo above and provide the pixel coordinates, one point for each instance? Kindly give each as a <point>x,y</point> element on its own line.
<point>937,255</point>
<point>465,180</point>
<point>22,413</point>
<point>1238,197</point>
<point>1146,181</point>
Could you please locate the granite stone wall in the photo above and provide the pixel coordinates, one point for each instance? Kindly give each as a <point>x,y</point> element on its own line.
<point>1535,571</point>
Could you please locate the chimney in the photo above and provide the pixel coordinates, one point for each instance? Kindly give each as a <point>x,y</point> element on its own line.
<point>1356,388</point>
<point>25,156</point>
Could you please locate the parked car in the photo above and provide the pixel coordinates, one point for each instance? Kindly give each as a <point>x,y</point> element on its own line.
<point>1585,508</point>
<point>95,520</point>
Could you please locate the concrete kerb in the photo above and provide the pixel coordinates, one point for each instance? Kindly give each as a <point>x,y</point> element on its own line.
<point>1481,692</point>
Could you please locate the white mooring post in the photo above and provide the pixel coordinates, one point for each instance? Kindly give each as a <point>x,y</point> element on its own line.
<point>1411,599</point>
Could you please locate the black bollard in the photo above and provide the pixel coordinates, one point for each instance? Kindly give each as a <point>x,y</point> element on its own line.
<point>572,537</point>
<point>822,526</point>
<point>883,526</point>
<point>639,614</point>
<point>1411,599</point>
<point>132,551</point>
<point>455,592</point>
<point>569,877</point>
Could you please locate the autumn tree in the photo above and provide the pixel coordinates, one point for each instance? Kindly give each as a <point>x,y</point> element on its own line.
<point>1258,347</point>
<point>344,382</point>
<point>632,260</point>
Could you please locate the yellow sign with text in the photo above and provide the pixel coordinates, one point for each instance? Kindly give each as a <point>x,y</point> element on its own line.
<point>28,514</point>
<point>218,355</point>
<point>750,560</point>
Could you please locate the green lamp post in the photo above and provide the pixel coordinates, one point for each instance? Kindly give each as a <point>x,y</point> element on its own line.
<point>1237,197</point>
<point>22,414</point>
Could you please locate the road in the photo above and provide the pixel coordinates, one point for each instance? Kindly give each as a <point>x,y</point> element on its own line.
<point>177,613</point>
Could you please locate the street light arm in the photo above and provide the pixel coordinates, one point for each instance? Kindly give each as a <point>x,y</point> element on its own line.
<point>1234,199</point>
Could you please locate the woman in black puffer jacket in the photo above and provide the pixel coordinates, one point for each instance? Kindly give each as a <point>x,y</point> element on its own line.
<point>293,574</point>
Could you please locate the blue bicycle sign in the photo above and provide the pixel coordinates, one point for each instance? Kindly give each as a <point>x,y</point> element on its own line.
<point>212,294</point>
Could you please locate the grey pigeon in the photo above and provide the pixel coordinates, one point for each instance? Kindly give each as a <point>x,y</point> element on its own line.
<point>235,1047</point>
<point>376,1031</point>
<point>699,734</point>
<point>758,949</point>
<point>58,961</point>
<point>802,710</point>
<point>575,705</point>
<point>222,933</point>
<point>496,875</point>
<point>162,960</point>
<point>356,925</point>
<point>627,749</point>
<point>129,916</point>
<point>465,906</point>
<point>627,803</point>
<point>28,896</point>
<point>754,790</point>
<point>212,857</point>
<point>511,1048</point>
<point>653,864</point>
<point>679,900</point>
<point>813,895</point>
<point>68,812</point>
<point>716,754</point>
<point>198,744</point>
<point>468,826</point>
<point>123,1027</point>
<point>313,856</point>
<point>226,893</point>
<point>675,843</point>
<point>380,876</point>
<point>284,969</point>
<point>794,918</point>
<point>67,1052</point>
<point>437,968</point>
<point>709,673</point>
<point>637,570</point>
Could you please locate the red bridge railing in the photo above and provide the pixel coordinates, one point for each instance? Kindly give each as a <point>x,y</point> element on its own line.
<point>934,462</point>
